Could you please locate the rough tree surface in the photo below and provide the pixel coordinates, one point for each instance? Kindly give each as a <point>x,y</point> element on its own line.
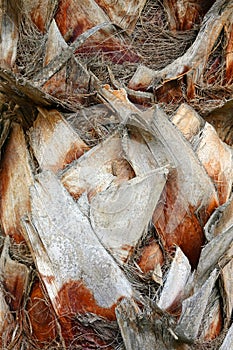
<point>116,202</point>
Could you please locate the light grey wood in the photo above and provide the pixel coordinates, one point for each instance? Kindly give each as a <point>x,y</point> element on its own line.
<point>137,152</point>
<point>195,188</point>
<point>93,172</point>
<point>220,221</point>
<point>193,310</point>
<point>123,13</point>
<point>177,277</point>
<point>228,341</point>
<point>149,328</point>
<point>120,214</point>
<point>226,278</point>
<point>212,319</point>
<point>136,331</point>
<point>66,249</point>
<point>211,254</point>
<point>215,156</point>
<point>53,141</point>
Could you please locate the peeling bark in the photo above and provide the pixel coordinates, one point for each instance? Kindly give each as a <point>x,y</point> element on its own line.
<point>120,214</point>
<point>211,254</point>
<point>74,18</point>
<point>97,169</point>
<point>182,15</point>
<point>193,310</point>
<point>9,37</point>
<point>229,50</point>
<point>221,119</point>
<point>181,209</point>
<point>227,286</point>
<point>15,179</point>
<point>174,288</point>
<point>137,333</point>
<point>220,221</point>
<point>15,278</point>
<point>123,13</point>
<point>226,345</point>
<point>215,156</point>
<point>41,12</point>
<point>78,273</point>
<point>58,62</point>
<point>188,121</point>
<point>70,82</point>
<point>212,322</point>
<point>54,143</point>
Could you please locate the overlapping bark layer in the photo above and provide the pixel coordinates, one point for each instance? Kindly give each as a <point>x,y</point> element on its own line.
<point>122,237</point>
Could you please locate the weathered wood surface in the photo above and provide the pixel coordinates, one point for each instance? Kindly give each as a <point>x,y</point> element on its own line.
<point>55,44</point>
<point>54,143</point>
<point>123,13</point>
<point>74,18</point>
<point>211,254</point>
<point>118,101</point>
<point>188,121</point>
<point>174,288</point>
<point>121,214</point>
<point>217,159</point>
<point>15,180</point>
<point>194,59</point>
<point>9,287</point>
<point>78,273</point>
<point>97,169</point>
<point>117,207</point>
<point>193,310</point>
<point>14,277</point>
<point>215,155</point>
<point>137,332</point>
<point>7,322</point>
<point>189,194</point>
<point>182,15</point>
<point>226,280</point>
<point>220,221</point>
<point>229,49</point>
<point>5,129</point>
<point>55,85</point>
<point>26,95</point>
<point>221,119</point>
<point>212,322</point>
<point>75,243</point>
<point>58,62</point>
<point>70,82</point>
<point>9,34</point>
<point>228,341</point>
<point>41,12</point>
<point>147,328</point>
<point>138,154</point>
